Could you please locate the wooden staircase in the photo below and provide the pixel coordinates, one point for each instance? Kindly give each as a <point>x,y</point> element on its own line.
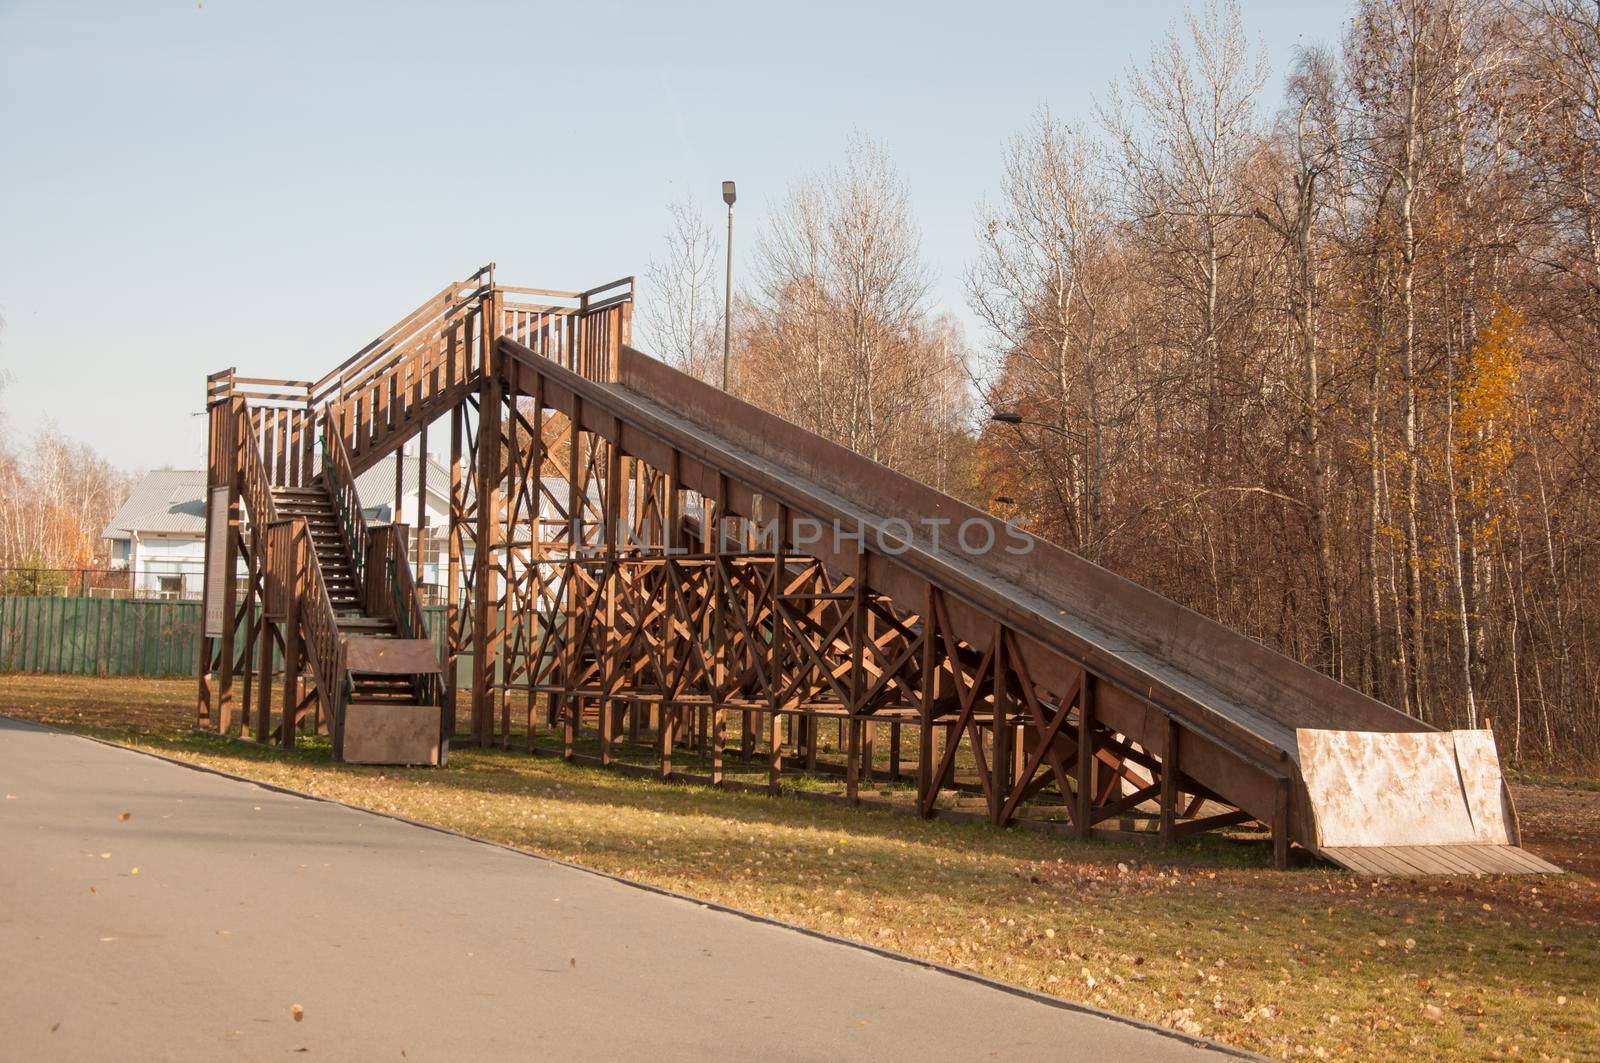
<point>315,506</point>
<point>388,709</point>
<point>340,598</point>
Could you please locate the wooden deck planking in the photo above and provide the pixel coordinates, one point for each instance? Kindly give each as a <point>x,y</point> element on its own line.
<point>1411,861</point>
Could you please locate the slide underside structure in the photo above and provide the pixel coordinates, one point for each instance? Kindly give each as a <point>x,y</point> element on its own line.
<point>636,560</point>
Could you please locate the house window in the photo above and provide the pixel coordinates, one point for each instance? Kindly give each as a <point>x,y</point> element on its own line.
<point>170,586</point>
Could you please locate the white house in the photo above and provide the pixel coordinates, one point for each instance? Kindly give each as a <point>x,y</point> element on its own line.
<point>158,536</point>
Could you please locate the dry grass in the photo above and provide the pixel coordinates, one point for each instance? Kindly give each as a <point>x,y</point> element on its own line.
<point>1310,962</point>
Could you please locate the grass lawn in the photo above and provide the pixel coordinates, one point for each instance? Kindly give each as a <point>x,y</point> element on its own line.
<point>1204,938</point>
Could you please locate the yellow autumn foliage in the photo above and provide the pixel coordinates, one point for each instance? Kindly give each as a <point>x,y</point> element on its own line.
<point>1485,418</point>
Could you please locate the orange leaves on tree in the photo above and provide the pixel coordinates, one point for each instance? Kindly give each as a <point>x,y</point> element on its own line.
<point>1486,399</point>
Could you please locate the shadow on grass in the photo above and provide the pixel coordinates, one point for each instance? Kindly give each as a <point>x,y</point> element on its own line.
<point>514,774</point>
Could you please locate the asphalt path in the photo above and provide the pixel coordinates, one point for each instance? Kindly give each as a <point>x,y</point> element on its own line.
<point>151,911</point>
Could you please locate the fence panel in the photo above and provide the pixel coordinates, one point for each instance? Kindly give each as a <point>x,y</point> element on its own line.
<point>113,636</point>
<point>98,636</point>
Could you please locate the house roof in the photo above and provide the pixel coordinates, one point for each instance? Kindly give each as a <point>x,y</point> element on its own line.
<point>166,501</point>
<point>376,485</point>
<point>172,501</point>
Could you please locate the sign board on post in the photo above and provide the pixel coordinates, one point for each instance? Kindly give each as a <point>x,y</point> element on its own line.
<point>216,562</point>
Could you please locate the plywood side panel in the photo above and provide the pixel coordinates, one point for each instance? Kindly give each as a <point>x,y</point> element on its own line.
<point>1370,788</point>
<point>391,734</point>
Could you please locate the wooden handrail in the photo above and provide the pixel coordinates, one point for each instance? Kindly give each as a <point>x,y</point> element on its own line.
<point>322,643</point>
<point>441,302</point>
<point>293,571</point>
<point>346,500</point>
<point>255,486</point>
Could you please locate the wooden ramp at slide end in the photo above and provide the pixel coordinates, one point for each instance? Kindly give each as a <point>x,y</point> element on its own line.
<point>1413,803</point>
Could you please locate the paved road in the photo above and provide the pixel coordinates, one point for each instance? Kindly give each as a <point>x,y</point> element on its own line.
<point>401,942</point>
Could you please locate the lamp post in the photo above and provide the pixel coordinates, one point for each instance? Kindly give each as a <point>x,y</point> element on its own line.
<point>1090,514</point>
<point>1011,417</point>
<point>728,196</point>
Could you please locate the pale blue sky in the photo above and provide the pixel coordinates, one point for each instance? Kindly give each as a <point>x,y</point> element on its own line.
<point>269,185</point>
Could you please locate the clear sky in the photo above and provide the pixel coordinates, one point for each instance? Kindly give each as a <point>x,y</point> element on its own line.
<point>185,187</point>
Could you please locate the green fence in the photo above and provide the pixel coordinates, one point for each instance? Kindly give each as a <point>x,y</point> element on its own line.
<point>111,636</point>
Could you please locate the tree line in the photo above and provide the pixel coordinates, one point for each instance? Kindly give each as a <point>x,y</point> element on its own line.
<point>1328,375</point>
<point>56,496</point>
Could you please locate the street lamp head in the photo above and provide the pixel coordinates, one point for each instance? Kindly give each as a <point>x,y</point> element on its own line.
<point>1006,417</point>
<point>728,195</point>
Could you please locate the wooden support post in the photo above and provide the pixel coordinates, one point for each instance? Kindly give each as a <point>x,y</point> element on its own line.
<point>308,444</point>
<point>219,452</point>
<point>869,736</point>
<point>1084,804</point>
<point>532,488</point>
<point>1280,826</point>
<point>894,750</point>
<point>1169,781</point>
<point>484,588</point>
<point>264,689</point>
<point>605,721</point>
<point>1003,729</point>
<point>453,625</point>
<point>421,521</point>
<point>720,621</point>
<point>852,763</point>
<point>572,658</point>
<point>296,568</point>
<point>252,617</point>
<point>777,650</point>
<point>669,722</point>
<point>858,635</point>
<point>927,785</point>
<point>230,580</point>
<point>611,663</point>
<point>719,724</point>
<point>398,513</point>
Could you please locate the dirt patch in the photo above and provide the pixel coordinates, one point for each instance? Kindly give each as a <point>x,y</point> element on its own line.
<point>1562,825</point>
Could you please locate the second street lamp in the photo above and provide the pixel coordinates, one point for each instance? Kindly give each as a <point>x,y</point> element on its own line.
<point>729,194</point>
<point>1013,418</point>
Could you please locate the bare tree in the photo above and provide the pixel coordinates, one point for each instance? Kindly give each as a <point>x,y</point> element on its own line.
<point>836,335</point>
<point>681,312</point>
<point>1043,282</point>
<point>1312,142</point>
<point>1184,126</point>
